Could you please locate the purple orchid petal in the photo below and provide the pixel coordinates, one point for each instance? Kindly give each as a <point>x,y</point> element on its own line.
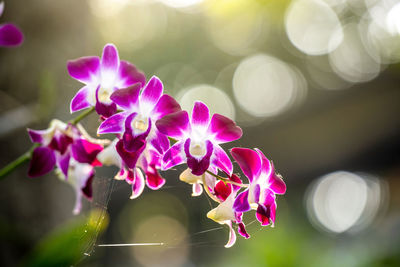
<point>221,160</point>
<point>63,163</point>
<point>39,136</point>
<point>129,158</point>
<point>151,94</point>
<point>232,235</point>
<point>160,142</point>
<point>128,74</point>
<point>175,125</point>
<point>196,164</point>
<point>80,100</point>
<point>242,230</point>
<point>87,190</point>
<point>222,190</point>
<point>248,161</point>
<point>256,193</point>
<point>263,214</point>
<point>109,61</point>
<point>153,179</point>
<point>274,180</point>
<point>114,124</point>
<point>127,98</point>
<point>104,109</point>
<point>224,129</point>
<point>241,203</point>
<point>236,179</point>
<point>138,184</point>
<point>10,35</point>
<point>42,162</point>
<point>84,151</point>
<point>85,69</point>
<point>200,115</point>
<point>131,141</point>
<point>165,105</point>
<point>173,156</point>
<point>277,184</point>
<point>60,142</point>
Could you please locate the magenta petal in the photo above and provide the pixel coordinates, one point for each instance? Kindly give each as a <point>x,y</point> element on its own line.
<point>109,59</point>
<point>37,135</point>
<point>113,124</point>
<point>84,69</point>
<point>153,179</point>
<point>84,151</point>
<point>200,115</point>
<point>128,74</point>
<point>63,163</point>
<point>129,158</point>
<point>152,92</point>
<point>127,97</point>
<point>42,162</point>
<point>242,230</point>
<point>248,160</point>
<point>222,190</point>
<point>173,156</point>
<point>165,105</point>
<point>138,184</point>
<point>104,109</point>
<point>80,100</point>
<point>221,160</point>
<point>277,184</point>
<point>198,165</point>
<point>232,235</point>
<point>87,189</point>
<point>263,214</point>
<point>241,203</point>
<point>224,129</point>
<point>160,142</point>
<point>10,35</point>
<point>175,125</point>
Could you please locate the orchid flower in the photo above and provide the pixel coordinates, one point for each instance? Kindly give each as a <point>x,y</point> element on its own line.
<point>148,163</point>
<point>264,184</point>
<point>10,34</point>
<point>198,139</point>
<point>102,77</point>
<point>80,177</point>
<point>224,212</point>
<point>141,109</point>
<point>62,145</point>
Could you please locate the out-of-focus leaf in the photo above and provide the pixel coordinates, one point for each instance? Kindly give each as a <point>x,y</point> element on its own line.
<point>71,243</point>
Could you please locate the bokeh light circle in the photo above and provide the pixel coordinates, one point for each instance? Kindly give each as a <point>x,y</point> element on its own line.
<point>217,100</point>
<point>265,86</point>
<point>345,202</point>
<point>313,27</point>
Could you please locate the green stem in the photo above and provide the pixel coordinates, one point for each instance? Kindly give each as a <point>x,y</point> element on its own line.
<point>19,161</point>
<point>82,116</point>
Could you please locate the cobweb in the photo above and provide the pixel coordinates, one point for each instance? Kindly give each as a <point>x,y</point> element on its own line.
<point>103,189</point>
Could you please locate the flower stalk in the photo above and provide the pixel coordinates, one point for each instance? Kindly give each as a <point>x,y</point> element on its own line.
<point>17,162</point>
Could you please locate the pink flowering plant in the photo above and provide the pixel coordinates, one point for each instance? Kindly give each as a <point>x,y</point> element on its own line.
<point>152,135</point>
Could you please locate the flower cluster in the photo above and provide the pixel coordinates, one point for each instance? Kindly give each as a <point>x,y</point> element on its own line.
<point>153,134</point>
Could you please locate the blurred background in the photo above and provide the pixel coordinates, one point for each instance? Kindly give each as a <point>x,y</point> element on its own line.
<point>315,84</point>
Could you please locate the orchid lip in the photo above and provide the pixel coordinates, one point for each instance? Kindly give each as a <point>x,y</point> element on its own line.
<point>197,149</point>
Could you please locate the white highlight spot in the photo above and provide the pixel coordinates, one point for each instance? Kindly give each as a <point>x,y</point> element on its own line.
<point>313,27</point>
<point>343,201</point>
<point>216,100</point>
<point>265,86</point>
